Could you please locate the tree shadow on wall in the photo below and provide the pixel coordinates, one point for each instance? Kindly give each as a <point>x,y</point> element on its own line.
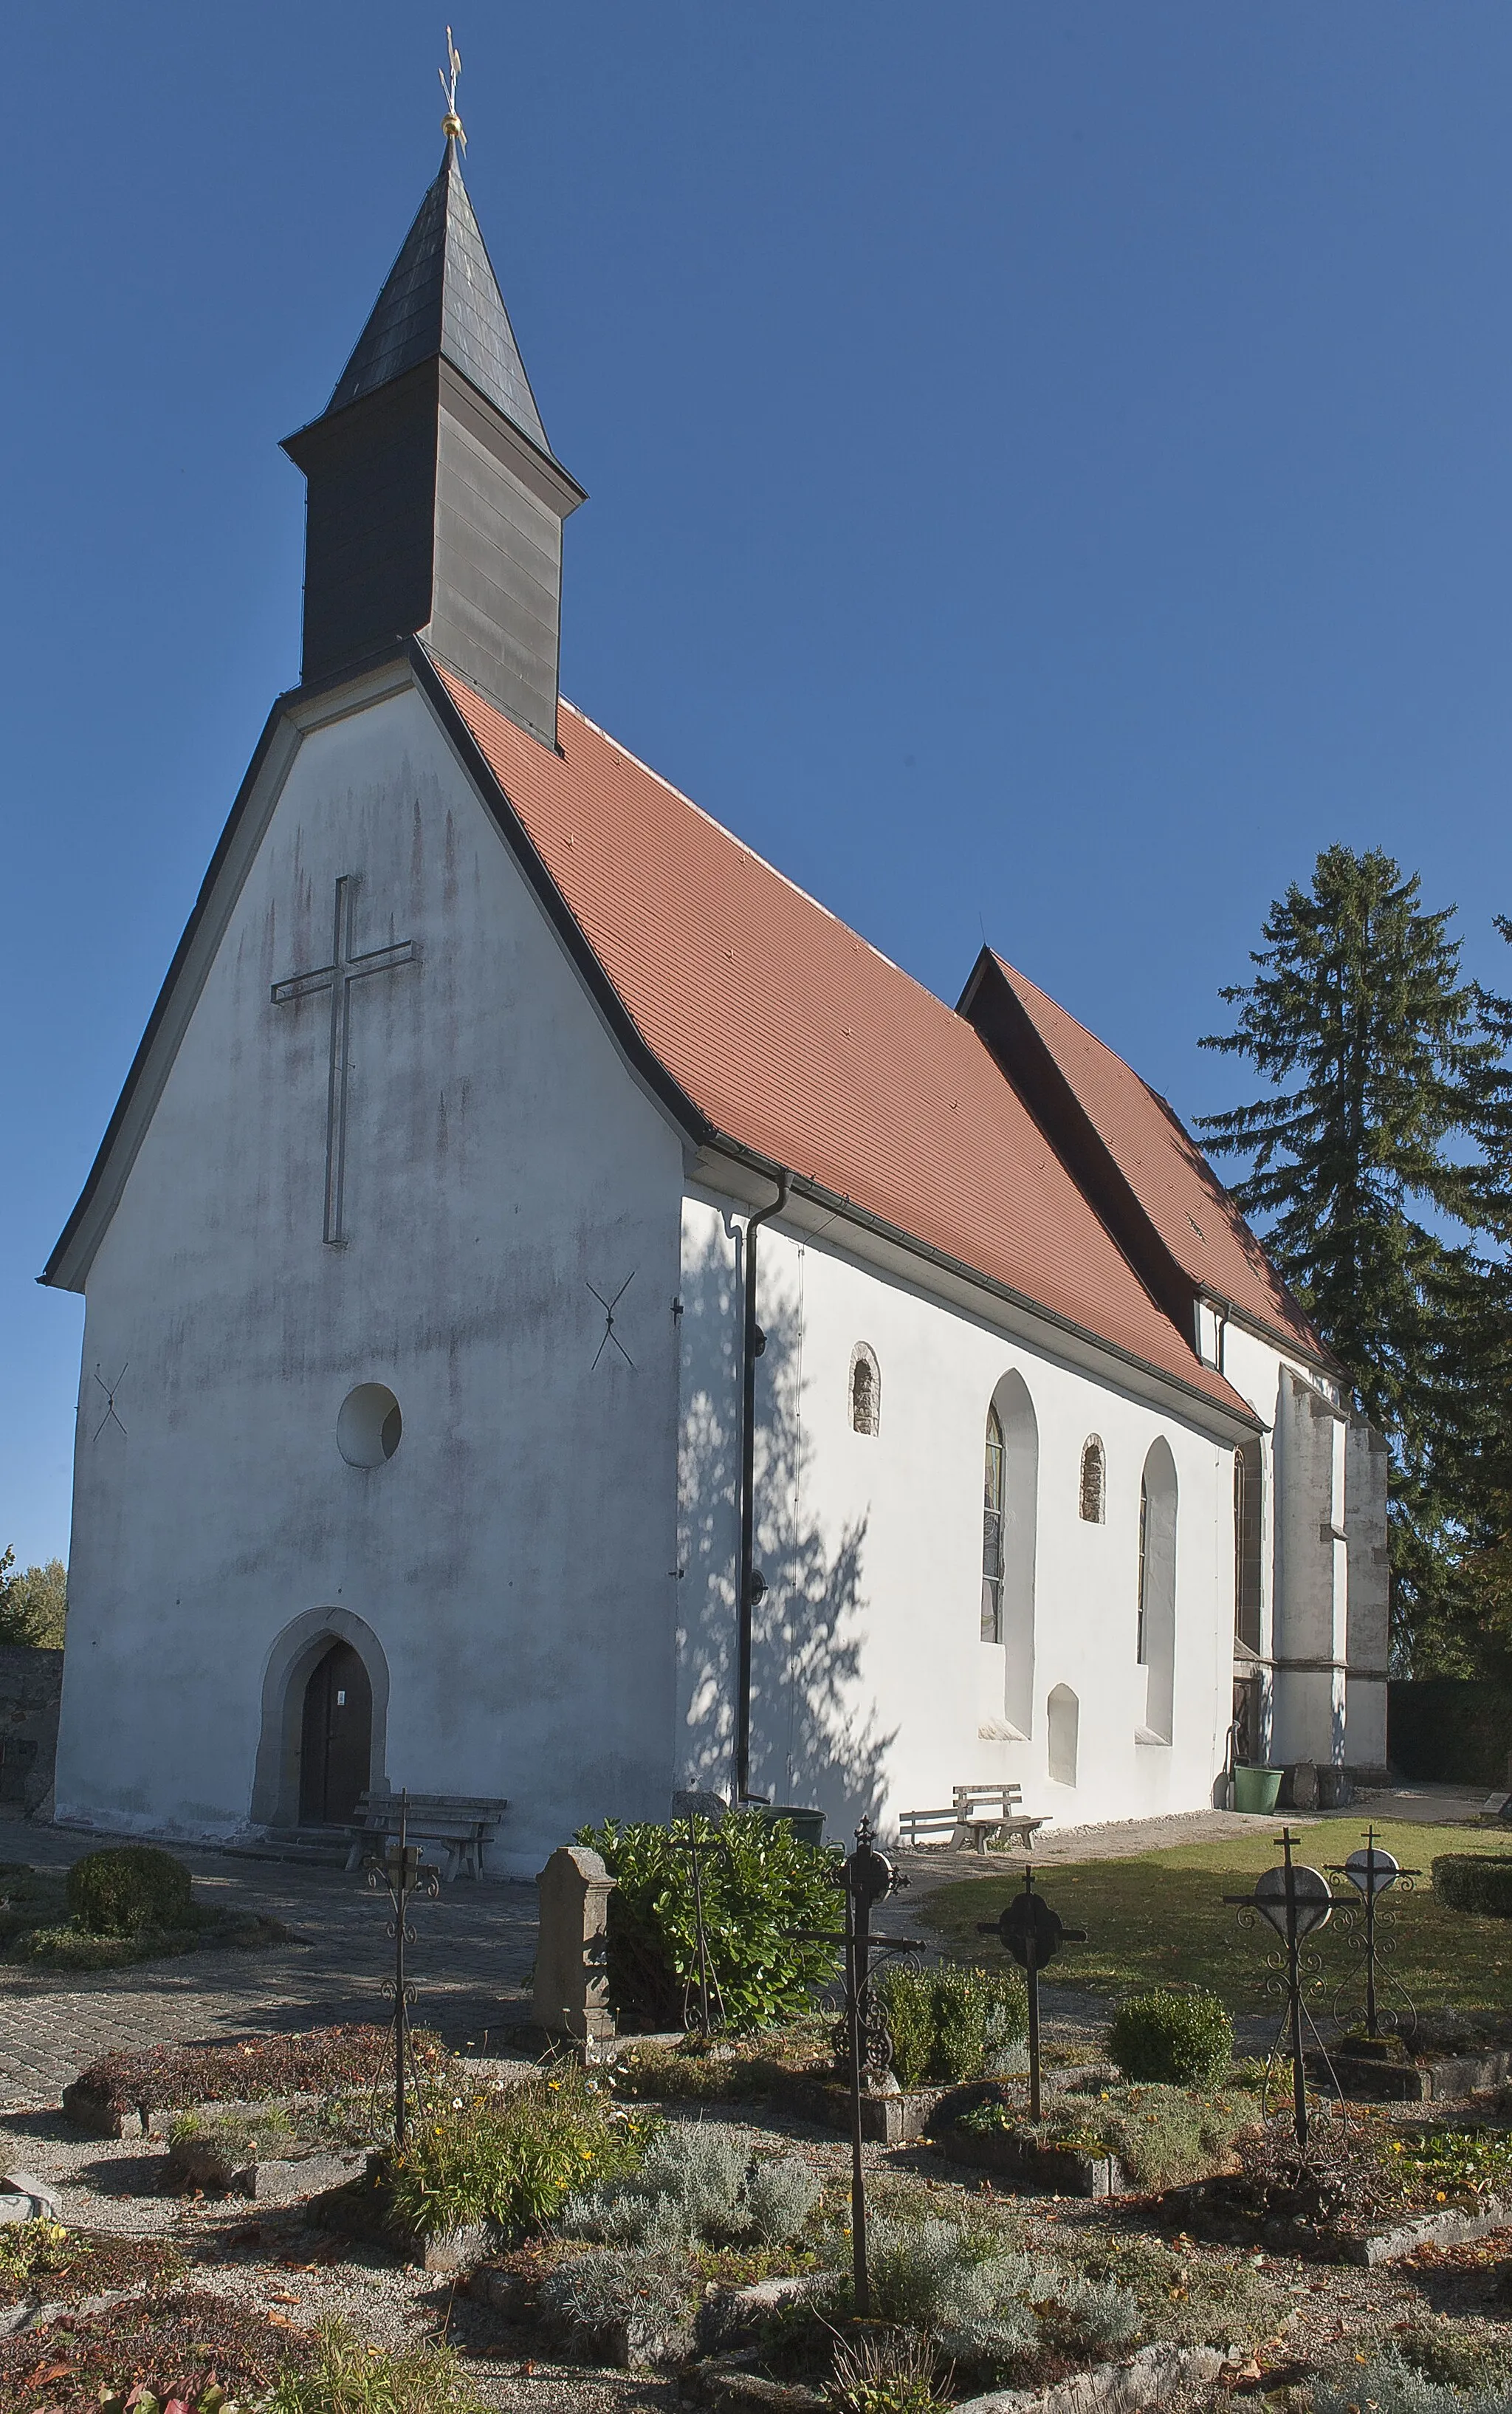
<point>815,1734</point>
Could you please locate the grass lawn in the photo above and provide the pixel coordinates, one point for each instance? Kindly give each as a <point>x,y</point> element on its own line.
<point>1160,1919</point>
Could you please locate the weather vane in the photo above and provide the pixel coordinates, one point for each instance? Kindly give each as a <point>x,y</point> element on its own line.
<point>451,123</point>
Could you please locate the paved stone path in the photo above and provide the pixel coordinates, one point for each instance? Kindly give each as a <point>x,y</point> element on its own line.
<point>470,1963</point>
<point>473,1950</point>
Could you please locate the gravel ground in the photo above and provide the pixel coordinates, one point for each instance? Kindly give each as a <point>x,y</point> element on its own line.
<point>478,1944</point>
<point>273,2257</point>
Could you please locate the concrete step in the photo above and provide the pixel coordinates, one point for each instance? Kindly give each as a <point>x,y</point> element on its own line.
<point>313,1847</point>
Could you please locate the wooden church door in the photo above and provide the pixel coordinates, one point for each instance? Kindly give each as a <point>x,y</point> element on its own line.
<point>337,1749</point>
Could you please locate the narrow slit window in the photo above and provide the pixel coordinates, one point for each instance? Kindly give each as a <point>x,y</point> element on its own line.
<point>1093,1476</point>
<point>865,1390</point>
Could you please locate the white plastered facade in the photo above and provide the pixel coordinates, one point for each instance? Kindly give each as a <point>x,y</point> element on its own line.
<point>872,1688</point>
<point>541,1580</point>
<point>508,1572</point>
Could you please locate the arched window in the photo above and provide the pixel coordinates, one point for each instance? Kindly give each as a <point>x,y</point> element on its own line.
<point>992,1533</point>
<point>1092,1481</point>
<point>1155,1631</point>
<point>1246,1532</point>
<point>1010,1496</point>
<point>1144,1536</point>
<point>865,1390</point>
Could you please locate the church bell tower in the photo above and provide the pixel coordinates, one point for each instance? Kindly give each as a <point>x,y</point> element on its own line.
<point>433,502</point>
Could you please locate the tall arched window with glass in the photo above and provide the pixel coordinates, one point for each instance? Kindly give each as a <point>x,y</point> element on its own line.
<point>992,1508</point>
<point>1140,1638</point>
<point>1247,1543</point>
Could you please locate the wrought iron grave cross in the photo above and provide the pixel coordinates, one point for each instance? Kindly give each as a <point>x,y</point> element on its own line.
<point>1295,1901</point>
<point>864,2047</point>
<point>1034,1934</point>
<point>337,976</point>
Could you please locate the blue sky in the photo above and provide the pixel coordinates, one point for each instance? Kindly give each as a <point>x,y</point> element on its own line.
<point>1048,473</point>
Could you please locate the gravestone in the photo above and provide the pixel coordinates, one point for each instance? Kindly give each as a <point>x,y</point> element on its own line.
<point>572,1984</point>
<point>1300,1785</point>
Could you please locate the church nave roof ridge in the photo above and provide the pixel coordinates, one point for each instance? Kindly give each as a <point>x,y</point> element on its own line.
<point>800,1045</point>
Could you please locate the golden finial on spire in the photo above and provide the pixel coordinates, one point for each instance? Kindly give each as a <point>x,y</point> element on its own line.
<point>451,123</point>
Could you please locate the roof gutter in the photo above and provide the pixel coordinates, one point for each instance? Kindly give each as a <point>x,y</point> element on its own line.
<point>752,1583</point>
<point>1234,1413</point>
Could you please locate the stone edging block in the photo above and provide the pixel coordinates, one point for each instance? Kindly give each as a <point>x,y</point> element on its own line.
<point>1040,2170</point>
<point>1428,2230</point>
<point>1144,2379</point>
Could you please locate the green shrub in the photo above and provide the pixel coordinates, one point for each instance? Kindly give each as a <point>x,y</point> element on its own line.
<point>950,2024</point>
<point>1165,2137</point>
<point>615,2285</point>
<point>699,2185</point>
<point>759,1884</point>
<point>1173,2040</point>
<point>28,2246</point>
<point>1468,2165</point>
<point>886,2371</point>
<point>1388,2384</point>
<point>264,2131</point>
<point>1458,2350</point>
<point>1475,1882</point>
<point>1186,2298</point>
<point>986,2308</point>
<point>127,1888</point>
<point>351,2376</point>
<point>510,2155</point>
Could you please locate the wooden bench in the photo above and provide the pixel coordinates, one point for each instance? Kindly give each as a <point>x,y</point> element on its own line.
<point>978,1815</point>
<point>460,1825</point>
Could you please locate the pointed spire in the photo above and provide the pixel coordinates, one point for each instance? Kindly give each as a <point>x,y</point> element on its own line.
<point>434,504</point>
<point>442,298</point>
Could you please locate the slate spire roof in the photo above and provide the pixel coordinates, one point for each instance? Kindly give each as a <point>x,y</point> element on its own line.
<point>442,297</point>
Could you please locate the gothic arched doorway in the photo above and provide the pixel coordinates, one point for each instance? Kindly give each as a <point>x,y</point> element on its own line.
<point>336,1741</point>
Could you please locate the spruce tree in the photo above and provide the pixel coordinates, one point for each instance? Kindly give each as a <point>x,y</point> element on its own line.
<point>1358,1018</point>
<point>1471,1634</point>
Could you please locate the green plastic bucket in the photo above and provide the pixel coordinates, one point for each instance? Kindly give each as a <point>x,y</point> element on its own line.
<point>1256,1789</point>
<point>808,1825</point>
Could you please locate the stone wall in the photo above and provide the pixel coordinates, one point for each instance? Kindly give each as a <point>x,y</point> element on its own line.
<point>1451,1730</point>
<point>30,1685</point>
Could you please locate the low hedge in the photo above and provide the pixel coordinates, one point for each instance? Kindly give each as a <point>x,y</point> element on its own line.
<point>950,2024</point>
<point>1171,2040</point>
<point>128,1887</point>
<point>1475,1882</point>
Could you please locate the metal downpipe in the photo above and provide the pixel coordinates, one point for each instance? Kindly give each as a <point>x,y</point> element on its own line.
<point>754,1343</point>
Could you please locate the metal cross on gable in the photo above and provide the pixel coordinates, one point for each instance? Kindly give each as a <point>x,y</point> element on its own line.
<point>346,966</point>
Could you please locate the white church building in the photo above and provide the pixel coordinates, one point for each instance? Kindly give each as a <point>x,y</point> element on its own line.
<point>567,1320</point>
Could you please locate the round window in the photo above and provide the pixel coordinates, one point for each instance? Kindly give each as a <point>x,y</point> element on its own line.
<point>369,1425</point>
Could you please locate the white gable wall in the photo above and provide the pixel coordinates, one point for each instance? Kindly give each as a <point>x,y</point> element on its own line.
<point>872,1688</point>
<point>514,1560</point>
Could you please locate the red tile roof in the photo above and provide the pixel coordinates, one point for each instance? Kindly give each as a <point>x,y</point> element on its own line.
<point>1163,1167</point>
<point>802,1045</point>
